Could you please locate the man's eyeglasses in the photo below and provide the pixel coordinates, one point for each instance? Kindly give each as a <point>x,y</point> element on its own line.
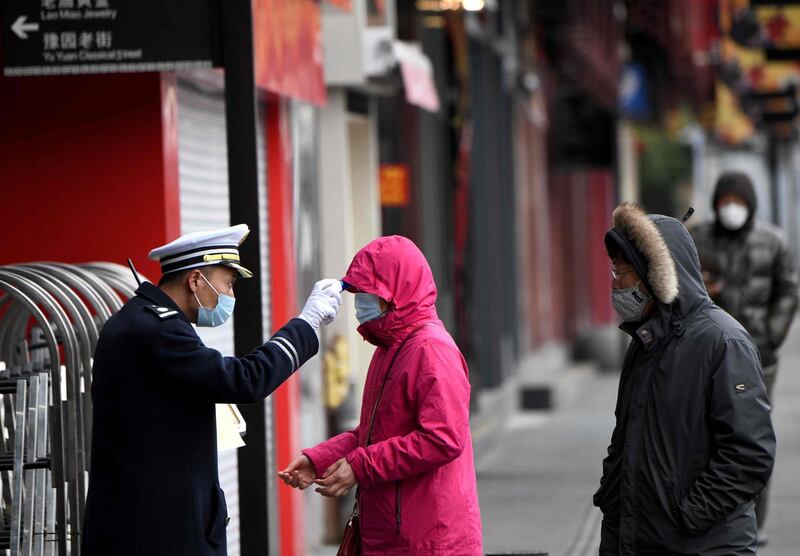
<point>618,273</point>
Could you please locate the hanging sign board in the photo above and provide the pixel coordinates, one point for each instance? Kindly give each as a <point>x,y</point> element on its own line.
<point>394,185</point>
<point>51,37</point>
<point>417,71</point>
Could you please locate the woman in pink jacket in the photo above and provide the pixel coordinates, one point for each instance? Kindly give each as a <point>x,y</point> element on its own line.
<point>415,476</point>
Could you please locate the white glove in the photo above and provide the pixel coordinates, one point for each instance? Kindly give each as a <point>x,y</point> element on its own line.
<point>323,303</point>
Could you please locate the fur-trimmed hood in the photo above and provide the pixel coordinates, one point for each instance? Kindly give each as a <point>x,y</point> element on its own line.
<point>672,267</point>
<point>642,232</point>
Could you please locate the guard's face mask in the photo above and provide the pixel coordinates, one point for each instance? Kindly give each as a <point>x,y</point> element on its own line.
<point>219,314</point>
<point>630,303</point>
<point>733,216</point>
<point>368,307</point>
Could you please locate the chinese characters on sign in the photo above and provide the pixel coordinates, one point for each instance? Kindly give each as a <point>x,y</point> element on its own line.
<point>100,36</point>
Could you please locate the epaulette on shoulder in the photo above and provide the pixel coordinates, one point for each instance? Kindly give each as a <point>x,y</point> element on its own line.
<point>164,313</point>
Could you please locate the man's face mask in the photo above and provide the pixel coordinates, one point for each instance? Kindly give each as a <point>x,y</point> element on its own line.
<point>733,216</point>
<point>368,307</point>
<point>219,314</point>
<point>630,303</point>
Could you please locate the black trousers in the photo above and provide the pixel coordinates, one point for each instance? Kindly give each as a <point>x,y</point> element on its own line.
<point>609,538</point>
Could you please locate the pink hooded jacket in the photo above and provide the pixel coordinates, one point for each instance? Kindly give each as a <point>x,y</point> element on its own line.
<point>418,492</point>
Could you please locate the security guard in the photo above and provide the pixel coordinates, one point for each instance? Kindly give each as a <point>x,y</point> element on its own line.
<point>154,485</point>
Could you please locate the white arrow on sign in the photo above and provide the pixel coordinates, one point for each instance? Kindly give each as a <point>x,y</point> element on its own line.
<point>21,27</point>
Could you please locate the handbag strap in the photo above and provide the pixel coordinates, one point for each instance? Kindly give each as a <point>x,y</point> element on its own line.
<point>386,379</point>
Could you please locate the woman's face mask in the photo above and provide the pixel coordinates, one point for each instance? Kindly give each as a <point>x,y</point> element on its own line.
<point>219,314</point>
<point>368,307</point>
<point>630,303</point>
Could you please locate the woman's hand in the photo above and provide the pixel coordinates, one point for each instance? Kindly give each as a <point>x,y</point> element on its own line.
<point>300,473</point>
<point>337,480</point>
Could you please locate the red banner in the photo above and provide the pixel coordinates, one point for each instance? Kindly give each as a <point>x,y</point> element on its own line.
<point>344,5</point>
<point>287,37</point>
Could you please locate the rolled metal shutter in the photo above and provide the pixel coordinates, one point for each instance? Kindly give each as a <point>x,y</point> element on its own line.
<point>204,205</point>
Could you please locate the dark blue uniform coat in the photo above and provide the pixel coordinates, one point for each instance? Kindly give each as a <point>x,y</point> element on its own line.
<point>153,485</point>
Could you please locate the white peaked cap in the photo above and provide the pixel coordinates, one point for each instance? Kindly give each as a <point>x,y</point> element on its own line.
<point>213,247</point>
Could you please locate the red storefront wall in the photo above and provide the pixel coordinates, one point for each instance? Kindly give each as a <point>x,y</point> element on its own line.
<point>581,203</point>
<point>287,45</point>
<point>283,292</point>
<point>89,172</point>
<point>601,199</point>
<point>88,169</point>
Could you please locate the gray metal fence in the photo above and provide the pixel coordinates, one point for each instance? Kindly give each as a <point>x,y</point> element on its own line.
<point>50,318</point>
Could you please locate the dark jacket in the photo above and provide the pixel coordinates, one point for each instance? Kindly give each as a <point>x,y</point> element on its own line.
<point>693,442</point>
<point>153,485</point>
<point>758,276</point>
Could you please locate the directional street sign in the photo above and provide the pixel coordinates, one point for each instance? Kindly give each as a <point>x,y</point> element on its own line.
<point>20,27</point>
<point>48,37</point>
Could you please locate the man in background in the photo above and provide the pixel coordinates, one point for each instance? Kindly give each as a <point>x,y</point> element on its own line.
<point>749,272</point>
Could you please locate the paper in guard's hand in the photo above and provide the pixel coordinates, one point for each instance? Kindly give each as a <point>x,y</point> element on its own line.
<point>230,427</point>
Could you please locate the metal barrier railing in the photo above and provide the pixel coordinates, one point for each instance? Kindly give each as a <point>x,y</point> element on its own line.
<point>50,319</point>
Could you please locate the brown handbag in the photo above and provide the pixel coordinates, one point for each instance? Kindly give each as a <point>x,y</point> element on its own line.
<point>351,539</point>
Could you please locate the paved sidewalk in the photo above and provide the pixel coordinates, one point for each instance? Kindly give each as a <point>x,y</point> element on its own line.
<point>537,476</point>
<point>537,480</point>
<point>536,484</point>
<point>783,520</point>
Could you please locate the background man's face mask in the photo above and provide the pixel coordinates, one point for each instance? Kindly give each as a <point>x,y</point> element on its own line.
<point>219,314</point>
<point>630,303</point>
<point>368,307</point>
<point>733,216</point>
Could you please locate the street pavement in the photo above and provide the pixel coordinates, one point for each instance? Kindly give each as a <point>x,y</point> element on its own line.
<point>537,473</point>
<point>783,520</point>
<point>536,482</point>
<point>537,478</point>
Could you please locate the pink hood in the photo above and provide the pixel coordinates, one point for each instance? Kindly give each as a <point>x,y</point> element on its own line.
<point>395,269</point>
<point>418,492</point>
